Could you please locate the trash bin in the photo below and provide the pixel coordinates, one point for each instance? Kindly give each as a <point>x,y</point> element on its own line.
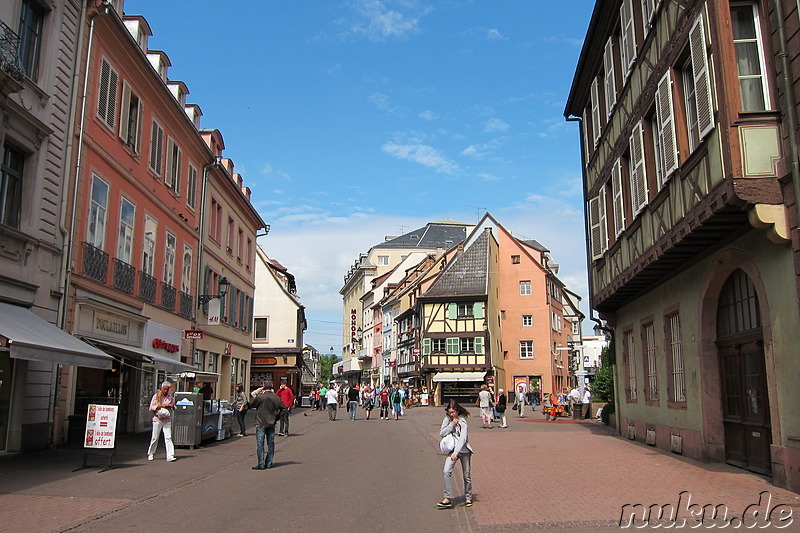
<point>187,419</point>
<point>225,420</point>
<point>577,411</point>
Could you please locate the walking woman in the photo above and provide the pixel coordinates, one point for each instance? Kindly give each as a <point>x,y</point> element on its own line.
<point>241,406</point>
<point>161,406</point>
<point>502,402</point>
<point>455,422</point>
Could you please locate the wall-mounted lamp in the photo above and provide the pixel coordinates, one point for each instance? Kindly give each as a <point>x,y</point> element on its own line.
<point>224,285</point>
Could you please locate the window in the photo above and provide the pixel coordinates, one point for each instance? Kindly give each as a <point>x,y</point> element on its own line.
<point>467,344</point>
<point>186,273</point>
<point>452,346</point>
<point>649,344</point>
<point>749,47</point>
<point>628,37</point>
<point>438,345</point>
<point>240,245</point>
<point>629,355</point>
<point>383,260</point>
<point>149,249</point>
<point>130,122</point>
<point>30,37</point>
<point>527,321</point>
<point>524,288</point>
<point>107,95</point>
<point>213,362</point>
<point>127,216</point>
<point>261,329</point>
<point>156,148</point>
<point>173,175</point>
<point>674,356</point>
<point>697,86</point>
<point>609,75</point>
<point>597,224</point>
<point>169,260</point>
<point>555,321</point>
<point>526,349</point>
<point>597,128</point>
<point>464,310</point>
<point>200,360</point>
<point>649,8</point>
<point>11,186</point>
<point>191,187</point>
<point>576,328</point>
<point>96,235</point>
<point>249,257</point>
<point>229,240</point>
<point>618,199</point>
<point>638,174</point>
<point>666,146</point>
<point>514,259</point>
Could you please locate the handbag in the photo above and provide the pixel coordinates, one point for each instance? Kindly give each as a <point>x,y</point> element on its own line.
<point>514,407</point>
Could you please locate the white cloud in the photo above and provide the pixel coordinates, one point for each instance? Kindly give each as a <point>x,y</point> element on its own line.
<point>379,20</point>
<point>494,35</point>
<point>495,124</point>
<point>422,154</point>
<point>488,177</point>
<point>382,102</point>
<point>429,115</point>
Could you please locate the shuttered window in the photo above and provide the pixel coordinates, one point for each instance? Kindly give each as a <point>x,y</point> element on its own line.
<point>618,198</point>
<point>609,75</point>
<point>597,221</point>
<point>479,345</point>
<point>107,94</point>
<point>628,38</point>
<point>156,148</point>
<point>702,78</point>
<point>130,121</point>
<point>667,149</point>
<point>426,346</point>
<point>595,97</point>
<point>452,347</point>
<point>638,173</point>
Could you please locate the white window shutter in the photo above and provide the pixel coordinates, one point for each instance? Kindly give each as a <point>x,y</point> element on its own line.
<point>124,116</point>
<point>601,204</point>
<point>610,80</point>
<point>666,128</point>
<point>618,198</point>
<point>594,227</point>
<point>637,169</point>
<point>702,77</point>
<point>628,45</point>
<point>168,173</point>
<point>585,132</point>
<point>595,96</point>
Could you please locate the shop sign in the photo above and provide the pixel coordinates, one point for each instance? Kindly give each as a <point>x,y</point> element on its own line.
<point>110,326</point>
<point>416,351</point>
<point>213,312</point>
<point>263,361</point>
<point>228,348</point>
<point>353,330</point>
<point>192,334</point>
<point>161,344</point>
<point>101,426</point>
<point>392,364</point>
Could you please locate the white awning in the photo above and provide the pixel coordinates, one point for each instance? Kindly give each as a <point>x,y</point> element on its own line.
<point>35,339</point>
<point>170,364</point>
<point>459,376</point>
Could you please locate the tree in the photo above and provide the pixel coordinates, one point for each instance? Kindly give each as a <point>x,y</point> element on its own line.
<point>603,383</point>
<point>326,362</point>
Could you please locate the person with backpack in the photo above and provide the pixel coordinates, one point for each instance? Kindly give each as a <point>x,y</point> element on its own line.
<point>397,401</point>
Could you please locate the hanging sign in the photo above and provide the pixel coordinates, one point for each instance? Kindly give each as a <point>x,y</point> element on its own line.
<point>213,312</point>
<point>101,426</point>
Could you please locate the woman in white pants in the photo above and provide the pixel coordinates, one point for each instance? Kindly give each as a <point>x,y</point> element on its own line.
<point>162,405</point>
<point>455,422</point>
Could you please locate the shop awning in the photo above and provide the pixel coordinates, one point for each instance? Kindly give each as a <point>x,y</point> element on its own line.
<point>134,351</point>
<point>459,376</point>
<point>35,339</point>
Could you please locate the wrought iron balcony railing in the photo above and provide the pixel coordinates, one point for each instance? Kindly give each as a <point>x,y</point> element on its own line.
<point>124,276</point>
<point>168,294</point>
<point>147,287</point>
<point>186,305</point>
<point>95,263</point>
<point>10,60</point>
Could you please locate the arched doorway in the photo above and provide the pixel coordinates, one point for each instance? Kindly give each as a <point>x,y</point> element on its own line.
<point>745,401</point>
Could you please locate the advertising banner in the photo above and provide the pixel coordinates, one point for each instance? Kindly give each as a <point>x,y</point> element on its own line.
<point>101,426</point>
<point>213,312</point>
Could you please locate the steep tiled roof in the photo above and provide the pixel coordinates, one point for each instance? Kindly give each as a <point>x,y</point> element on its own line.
<point>536,244</point>
<point>433,235</point>
<point>468,274</point>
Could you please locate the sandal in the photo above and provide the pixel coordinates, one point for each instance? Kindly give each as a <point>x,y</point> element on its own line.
<point>444,505</point>
<point>468,503</point>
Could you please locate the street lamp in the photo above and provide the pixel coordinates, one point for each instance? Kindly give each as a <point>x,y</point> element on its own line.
<point>224,285</point>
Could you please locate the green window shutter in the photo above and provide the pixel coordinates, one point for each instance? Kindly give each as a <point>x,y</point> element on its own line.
<point>477,310</point>
<point>452,311</point>
<point>452,347</point>
<point>250,316</point>
<point>242,307</point>
<point>478,345</point>
<point>232,306</point>
<point>206,276</point>
<point>426,347</point>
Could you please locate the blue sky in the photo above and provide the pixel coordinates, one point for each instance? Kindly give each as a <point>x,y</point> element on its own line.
<point>353,120</point>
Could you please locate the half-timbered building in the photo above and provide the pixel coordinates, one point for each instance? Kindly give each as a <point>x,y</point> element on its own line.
<point>689,165</point>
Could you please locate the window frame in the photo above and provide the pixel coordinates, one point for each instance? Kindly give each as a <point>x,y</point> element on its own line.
<point>525,288</point>
<point>97,218</point>
<point>156,162</point>
<point>191,187</point>
<point>650,362</point>
<point>127,231</point>
<point>30,32</point>
<point>527,321</point>
<point>12,180</point>
<point>256,322</point>
<point>131,117</point>
<point>186,269</point>
<point>676,363</point>
<point>149,245</point>
<point>170,256</point>
<point>762,56</point>
<point>526,349</point>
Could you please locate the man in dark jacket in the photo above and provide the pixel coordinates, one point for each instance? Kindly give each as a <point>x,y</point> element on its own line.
<point>268,408</point>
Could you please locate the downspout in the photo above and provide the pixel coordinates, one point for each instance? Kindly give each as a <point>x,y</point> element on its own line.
<point>202,240</point>
<point>790,104</point>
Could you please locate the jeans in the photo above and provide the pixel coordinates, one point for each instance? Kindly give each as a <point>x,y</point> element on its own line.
<point>351,409</point>
<point>261,433</point>
<point>240,419</point>
<point>449,464</point>
<point>384,409</point>
<point>158,427</point>
<point>284,427</point>
<point>332,411</point>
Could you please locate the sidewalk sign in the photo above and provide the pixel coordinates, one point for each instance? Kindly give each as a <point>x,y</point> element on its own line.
<point>101,432</point>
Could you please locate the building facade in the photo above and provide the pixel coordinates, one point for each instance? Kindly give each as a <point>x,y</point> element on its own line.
<point>690,172</point>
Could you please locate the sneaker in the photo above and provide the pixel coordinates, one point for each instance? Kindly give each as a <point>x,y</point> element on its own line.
<point>149,457</point>
<point>171,459</point>
<point>281,434</point>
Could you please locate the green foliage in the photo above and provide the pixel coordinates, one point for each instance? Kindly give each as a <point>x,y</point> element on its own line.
<point>603,383</point>
<point>326,362</point>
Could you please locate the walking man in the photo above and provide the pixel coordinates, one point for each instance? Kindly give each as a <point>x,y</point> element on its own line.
<point>521,401</point>
<point>352,402</point>
<point>332,398</point>
<point>287,397</point>
<point>268,409</point>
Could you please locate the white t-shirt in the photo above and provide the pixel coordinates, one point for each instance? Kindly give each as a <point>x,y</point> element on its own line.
<point>575,395</point>
<point>587,396</point>
<point>484,396</point>
<point>333,396</point>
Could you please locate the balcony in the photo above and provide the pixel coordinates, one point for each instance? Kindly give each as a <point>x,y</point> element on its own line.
<point>168,294</point>
<point>10,60</point>
<point>186,305</point>
<point>95,263</point>
<point>124,276</point>
<point>147,287</point>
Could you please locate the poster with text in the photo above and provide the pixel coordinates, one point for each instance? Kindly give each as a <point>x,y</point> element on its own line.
<point>101,426</point>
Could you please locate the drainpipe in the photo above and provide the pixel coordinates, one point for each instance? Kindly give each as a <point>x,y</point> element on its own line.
<point>215,164</point>
<point>789,103</point>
